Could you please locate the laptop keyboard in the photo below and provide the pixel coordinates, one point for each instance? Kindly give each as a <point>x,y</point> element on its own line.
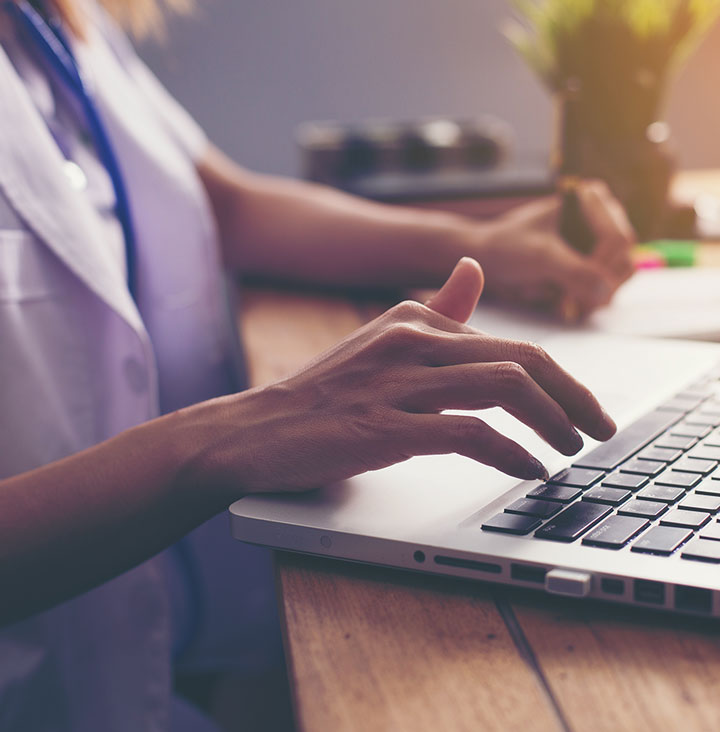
<point>654,487</point>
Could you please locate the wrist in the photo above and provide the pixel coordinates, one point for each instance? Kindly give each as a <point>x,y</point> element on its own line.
<point>476,239</point>
<point>223,445</point>
<point>489,241</point>
<point>197,438</point>
<point>450,237</point>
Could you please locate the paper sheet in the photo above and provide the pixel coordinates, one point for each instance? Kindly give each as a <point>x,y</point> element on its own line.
<point>670,303</point>
<point>679,303</point>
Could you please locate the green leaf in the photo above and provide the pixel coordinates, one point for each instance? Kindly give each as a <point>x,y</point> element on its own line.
<point>564,39</point>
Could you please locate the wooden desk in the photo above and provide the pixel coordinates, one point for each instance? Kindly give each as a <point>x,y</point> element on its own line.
<point>378,649</point>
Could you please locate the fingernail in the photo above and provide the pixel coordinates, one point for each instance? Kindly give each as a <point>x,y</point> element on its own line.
<point>576,440</point>
<point>608,426</point>
<point>569,312</point>
<point>537,471</point>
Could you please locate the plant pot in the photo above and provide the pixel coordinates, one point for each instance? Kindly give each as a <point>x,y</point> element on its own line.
<point>623,144</point>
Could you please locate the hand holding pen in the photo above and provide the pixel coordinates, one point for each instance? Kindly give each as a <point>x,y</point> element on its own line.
<point>532,257</point>
<point>593,223</point>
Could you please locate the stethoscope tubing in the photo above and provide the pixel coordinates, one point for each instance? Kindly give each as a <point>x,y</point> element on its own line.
<point>51,41</point>
<point>55,48</point>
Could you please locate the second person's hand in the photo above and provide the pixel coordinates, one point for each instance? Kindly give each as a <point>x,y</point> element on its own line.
<point>527,262</point>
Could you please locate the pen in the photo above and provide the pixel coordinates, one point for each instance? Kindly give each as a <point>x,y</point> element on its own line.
<point>573,225</point>
<point>577,233</point>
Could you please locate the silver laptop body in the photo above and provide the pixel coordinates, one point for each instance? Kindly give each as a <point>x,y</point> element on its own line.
<point>428,513</point>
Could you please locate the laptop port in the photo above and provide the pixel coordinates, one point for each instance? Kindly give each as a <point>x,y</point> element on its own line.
<point>612,586</point>
<point>650,592</point>
<point>467,564</point>
<point>528,573</point>
<point>693,599</point>
<point>419,556</point>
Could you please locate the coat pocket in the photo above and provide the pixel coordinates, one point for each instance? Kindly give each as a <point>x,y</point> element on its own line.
<point>27,271</point>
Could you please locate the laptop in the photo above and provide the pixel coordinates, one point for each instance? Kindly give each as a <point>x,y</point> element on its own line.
<point>635,520</point>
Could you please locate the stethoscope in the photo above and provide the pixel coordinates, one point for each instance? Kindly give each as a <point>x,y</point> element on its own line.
<point>51,41</point>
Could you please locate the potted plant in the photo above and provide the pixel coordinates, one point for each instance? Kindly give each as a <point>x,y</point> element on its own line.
<point>608,64</point>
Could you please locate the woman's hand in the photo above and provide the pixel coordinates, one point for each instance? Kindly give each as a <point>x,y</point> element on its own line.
<point>373,400</point>
<point>376,399</point>
<point>527,262</point>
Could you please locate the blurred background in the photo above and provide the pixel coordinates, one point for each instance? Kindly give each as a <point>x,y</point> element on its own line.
<point>252,71</point>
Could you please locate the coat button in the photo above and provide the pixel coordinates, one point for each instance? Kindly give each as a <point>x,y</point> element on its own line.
<point>136,375</point>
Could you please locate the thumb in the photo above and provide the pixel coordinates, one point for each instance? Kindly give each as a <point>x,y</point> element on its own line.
<point>460,294</point>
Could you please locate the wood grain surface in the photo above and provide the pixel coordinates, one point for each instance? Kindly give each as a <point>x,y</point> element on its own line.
<point>617,669</point>
<point>377,649</point>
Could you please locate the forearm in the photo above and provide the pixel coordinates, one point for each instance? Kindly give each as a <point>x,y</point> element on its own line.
<point>291,230</point>
<point>73,524</point>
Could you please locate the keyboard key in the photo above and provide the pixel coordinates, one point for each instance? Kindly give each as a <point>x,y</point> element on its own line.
<point>704,419</point>
<point>705,452</point>
<point>643,509</point>
<point>698,393</point>
<point>682,406</point>
<point>690,430</point>
<point>628,441</point>
<point>511,523</point>
<point>628,481</point>
<point>576,477</point>
<point>676,442</point>
<point>608,496</point>
<point>678,479</point>
<point>702,550</point>
<point>686,519</point>
<point>559,493</point>
<point>711,531</point>
<point>661,454</point>
<point>713,440</point>
<point>705,383</point>
<point>695,502</point>
<point>662,493</point>
<point>708,488</point>
<point>534,507</point>
<point>662,540</point>
<point>615,532</point>
<point>642,467</point>
<point>573,521</point>
<point>694,465</point>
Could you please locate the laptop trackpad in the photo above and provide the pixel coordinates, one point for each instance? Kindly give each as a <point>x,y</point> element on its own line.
<point>629,376</point>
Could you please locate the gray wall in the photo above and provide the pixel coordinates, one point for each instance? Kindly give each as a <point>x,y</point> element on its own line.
<point>252,70</point>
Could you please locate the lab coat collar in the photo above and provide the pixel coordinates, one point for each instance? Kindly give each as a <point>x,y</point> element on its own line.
<point>32,178</point>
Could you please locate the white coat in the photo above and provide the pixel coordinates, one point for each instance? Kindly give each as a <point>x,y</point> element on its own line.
<point>80,361</point>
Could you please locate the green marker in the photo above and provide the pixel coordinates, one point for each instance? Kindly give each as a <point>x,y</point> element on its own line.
<point>676,252</point>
